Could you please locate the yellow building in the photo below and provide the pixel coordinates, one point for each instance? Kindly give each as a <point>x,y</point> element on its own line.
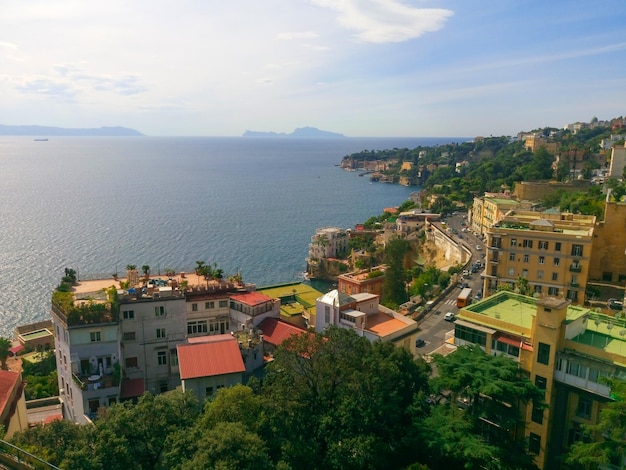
<point>608,265</point>
<point>566,350</point>
<point>487,210</point>
<point>551,250</point>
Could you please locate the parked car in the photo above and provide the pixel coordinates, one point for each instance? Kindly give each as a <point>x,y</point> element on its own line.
<point>615,304</point>
<point>420,343</point>
<point>463,285</point>
<point>449,316</point>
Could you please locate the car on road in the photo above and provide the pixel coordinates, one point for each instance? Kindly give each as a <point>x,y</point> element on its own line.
<point>463,285</point>
<point>420,343</point>
<point>449,316</point>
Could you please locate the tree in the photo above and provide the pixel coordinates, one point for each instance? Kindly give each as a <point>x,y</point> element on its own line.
<point>339,401</point>
<point>5,346</point>
<point>394,285</point>
<point>146,271</point>
<point>604,444</point>
<point>494,392</point>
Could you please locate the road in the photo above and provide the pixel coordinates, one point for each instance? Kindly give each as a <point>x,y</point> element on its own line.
<point>433,327</point>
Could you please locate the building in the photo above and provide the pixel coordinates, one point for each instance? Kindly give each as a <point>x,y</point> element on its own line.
<point>487,210</point>
<point>551,250</point>
<point>413,220</point>
<point>296,300</point>
<point>363,314</point>
<point>328,242</point>
<point>566,350</point>
<point>275,331</point>
<point>210,363</point>
<point>363,281</point>
<point>13,414</point>
<point>113,344</point>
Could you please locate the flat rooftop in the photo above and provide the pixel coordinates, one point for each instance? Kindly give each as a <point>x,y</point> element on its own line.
<point>606,333</point>
<point>511,312</point>
<point>295,297</point>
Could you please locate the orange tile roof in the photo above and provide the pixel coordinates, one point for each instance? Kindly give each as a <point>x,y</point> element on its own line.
<point>217,356</point>
<point>383,324</point>
<point>276,331</point>
<point>251,298</point>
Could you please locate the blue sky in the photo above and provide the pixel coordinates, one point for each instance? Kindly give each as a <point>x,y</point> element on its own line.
<point>359,67</point>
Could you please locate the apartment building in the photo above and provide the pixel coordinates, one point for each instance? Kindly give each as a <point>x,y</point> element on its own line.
<point>328,242</point>
<point>551,250</point>
<point>363,314</point>
<point>489,209</point>
<point>13,415</point>
<point>565,349</point>
<point>363,281</point>
<point>113,344</point>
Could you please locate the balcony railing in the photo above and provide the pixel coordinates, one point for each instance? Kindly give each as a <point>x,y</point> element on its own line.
<point>575,268</point>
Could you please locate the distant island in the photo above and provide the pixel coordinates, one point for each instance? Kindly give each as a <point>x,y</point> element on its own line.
<point>64,131</point>
<point>308,132</point>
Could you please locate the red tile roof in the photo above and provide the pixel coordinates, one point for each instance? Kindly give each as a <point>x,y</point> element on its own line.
<point>132,388</point>
<point>216,355</point>
<point>251,298</point>
<point>276,331</point>
<point>8,381</point>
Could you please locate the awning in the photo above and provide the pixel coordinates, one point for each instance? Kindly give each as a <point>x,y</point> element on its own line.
<point>510,341</point>
<point>132,388</point>
<point>15,349</point>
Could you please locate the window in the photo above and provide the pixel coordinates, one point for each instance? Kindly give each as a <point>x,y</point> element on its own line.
<point>541,382</point>
<point>553,291</point>
<point>584,408</point>
<point>194,327</point>
<point>577,250</point>
<point>534,443</point>
<point>160,333</point>
<point>223,303</point>
<point>131,362</point>
<point>163,386</point>
<point>471,335</point>
<point>542,259</point>
<point>95,337</point>
<point>528,244</point>
<point>543,245</point>
<point>209,305</point>
<point>557,261</point>
<point>512,256</point>
<point>159,311</point>
<point>540,274</point>
<point>129,336</point>
<point>538,289</point>
<point>572,295</point>
<point>537,415</point>
<point>194,307</point>
<point>574,368</point>
<point>525,273</point>
<point>513,241</point>
<point>557,246</point>
<point>511,271</point>
<point>128,314</point>
<point>208,391</point>
<point>555,276</point>
<point>327,314</point>
<point>526,257</point>
<point>162,358</point>
<point>543,353</point>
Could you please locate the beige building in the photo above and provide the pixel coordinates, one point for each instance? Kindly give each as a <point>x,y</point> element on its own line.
<point>608,264</point>
<point>567,351</point>
<point>487,210</point>
<point>550,249</point>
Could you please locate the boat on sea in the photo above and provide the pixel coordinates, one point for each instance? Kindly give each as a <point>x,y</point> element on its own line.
<point>41,140</point>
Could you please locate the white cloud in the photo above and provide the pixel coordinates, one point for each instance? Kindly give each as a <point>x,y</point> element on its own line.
<point>382,21</point>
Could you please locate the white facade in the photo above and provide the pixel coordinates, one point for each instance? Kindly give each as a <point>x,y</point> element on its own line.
<point>618,162</point>
<point>328,242</point>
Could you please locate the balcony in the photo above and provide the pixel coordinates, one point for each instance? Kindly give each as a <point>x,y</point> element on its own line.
<point>574,284</point>
<point>575,268</point>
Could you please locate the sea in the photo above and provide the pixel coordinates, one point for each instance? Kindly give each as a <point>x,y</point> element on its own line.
<point>98,204</point>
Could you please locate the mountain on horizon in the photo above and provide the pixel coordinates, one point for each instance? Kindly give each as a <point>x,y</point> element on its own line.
<point>308,132</point>
<point>48,131</point>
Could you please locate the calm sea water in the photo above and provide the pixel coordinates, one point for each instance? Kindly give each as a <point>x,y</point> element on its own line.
<point>99,204</point>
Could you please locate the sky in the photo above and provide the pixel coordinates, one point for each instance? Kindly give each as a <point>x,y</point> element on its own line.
<point>363,68</point>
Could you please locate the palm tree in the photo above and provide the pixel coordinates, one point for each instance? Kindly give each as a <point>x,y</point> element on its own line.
<point>5,346</point>
<point>146,270</point>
